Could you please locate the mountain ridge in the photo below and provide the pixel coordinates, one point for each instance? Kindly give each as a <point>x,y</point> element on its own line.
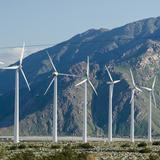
<point>134,45</point>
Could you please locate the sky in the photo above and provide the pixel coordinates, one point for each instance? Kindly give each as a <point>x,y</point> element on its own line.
<point>53,21</point>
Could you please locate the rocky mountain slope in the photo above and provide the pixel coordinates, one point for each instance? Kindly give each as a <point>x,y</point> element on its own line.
<point>135,45</point>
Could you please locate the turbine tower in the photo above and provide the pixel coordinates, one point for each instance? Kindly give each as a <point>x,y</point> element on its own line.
<point>55,80</point>
<point>134,89</point>
<point>18,69</point>
<point>111,86</point>
<point>151,95</point>
<point>86,81</point>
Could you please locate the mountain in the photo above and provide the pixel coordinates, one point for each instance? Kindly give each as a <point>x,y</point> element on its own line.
<point>135,45</point>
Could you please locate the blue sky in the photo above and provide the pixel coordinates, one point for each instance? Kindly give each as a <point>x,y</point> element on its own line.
<point>52,21</point>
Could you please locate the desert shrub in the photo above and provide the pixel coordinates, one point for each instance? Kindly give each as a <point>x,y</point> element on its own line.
<point>132,150</point>
<point>2,152</point>
<point>156,143</point>
<point>154,156</point>
<point>55,146</point>
<point>125,145</point>
<point>145,150</point>
<point>69,154</point>
<point>22,146</point>
<point>91,157</point>
<point>13,147</point>
<point>25,155</point>
<point>85,146</point>
<point>142,144</point>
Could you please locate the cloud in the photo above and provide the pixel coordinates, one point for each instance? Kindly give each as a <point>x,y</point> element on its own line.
<point>11,55</point>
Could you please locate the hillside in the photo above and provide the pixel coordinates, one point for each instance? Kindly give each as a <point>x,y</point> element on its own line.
<point>135,45</point>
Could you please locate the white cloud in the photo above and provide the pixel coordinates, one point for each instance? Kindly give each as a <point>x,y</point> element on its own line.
<point>11,55</point>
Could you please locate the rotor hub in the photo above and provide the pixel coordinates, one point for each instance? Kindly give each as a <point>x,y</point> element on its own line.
<point>55,73</point>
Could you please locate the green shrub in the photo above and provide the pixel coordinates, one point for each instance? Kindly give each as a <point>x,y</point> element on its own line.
<point>85,146</point>
<point>2,152</point>
<point>22,146</point>
<point>13,147</point>
<point>156,143</point>
<point>125,145</point>
<point>154,156</point>
<point>142,144</point>
<point>145,150</point>
<point>25,155</point>
<point>55,146</point>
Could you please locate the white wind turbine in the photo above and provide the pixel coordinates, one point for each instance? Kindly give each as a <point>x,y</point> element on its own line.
<point>134,89</point>
<point>55,76</point>
<point>18,69</point>
<point>86,81</point>
<point>111,86</point>
<point>151,95</point>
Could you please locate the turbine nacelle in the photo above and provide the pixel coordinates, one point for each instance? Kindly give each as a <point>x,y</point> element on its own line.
<point>111,82</point>
<point>55,73</point>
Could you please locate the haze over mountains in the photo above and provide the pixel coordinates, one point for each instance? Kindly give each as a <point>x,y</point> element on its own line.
<point>135,45</point>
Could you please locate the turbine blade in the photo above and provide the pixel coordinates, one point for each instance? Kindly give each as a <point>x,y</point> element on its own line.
<point>69,75</point>
<point>109,73</point>
<point>25,78</point>
<point>49,86</point>
<point>138,89</point>
<point>132,97</point>
<point>154,81</point>
<point>22,53</point>
<point>92,87</point>
<point>133,82</point>
<point>10,68</point>
<point>146,88</point>
<point>154,99</point>
<point>51,61</point>
<point>81,82</point>
<point>88,66</point>
<point>117,81</point>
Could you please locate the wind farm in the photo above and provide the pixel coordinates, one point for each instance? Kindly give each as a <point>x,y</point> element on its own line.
<point>79,80</point>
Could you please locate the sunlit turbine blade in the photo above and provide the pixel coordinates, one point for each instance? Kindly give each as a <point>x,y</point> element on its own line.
<point>109,73</point>
<point>154,81</point>
<point>132,97</point>
<point>146,88</point>
<point>87,66</point>
<point>92,86</point>
<point>49,86</point>
<point>154,99</point>
<point>69,75</point>
<point>22,53</point>
<point>117,81</point>
<point>138,89</point>
<point>25,78</point>
<point>10,68</point>
<point>51,62</point>
<point>132,78</point>
<point>81,82</point>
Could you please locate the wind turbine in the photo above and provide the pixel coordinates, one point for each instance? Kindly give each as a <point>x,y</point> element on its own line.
<point>151,95</point>
<point>55,76</point>
<point>85,82</point>
<point>134,89</point>
<point>111,86</point>
<point>18,69</point>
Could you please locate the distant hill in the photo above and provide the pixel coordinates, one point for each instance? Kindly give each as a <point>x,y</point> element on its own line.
<point>135,45</point>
